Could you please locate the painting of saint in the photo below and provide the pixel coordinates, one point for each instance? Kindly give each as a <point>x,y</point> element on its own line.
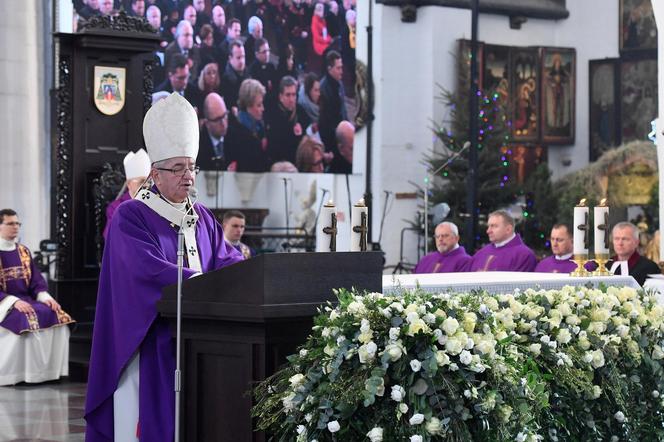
<point>525,99</point>
<point>558,79</point>
<point>637,25</point>
<point>604,127</point>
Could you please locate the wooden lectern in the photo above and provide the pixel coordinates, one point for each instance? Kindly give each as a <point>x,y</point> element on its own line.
<point>239,324</point>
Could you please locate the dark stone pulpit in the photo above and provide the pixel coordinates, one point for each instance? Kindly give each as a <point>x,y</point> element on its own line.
<point>239,324</point>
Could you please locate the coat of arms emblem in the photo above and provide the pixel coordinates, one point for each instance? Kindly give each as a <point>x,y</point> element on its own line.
<point>109,89</point>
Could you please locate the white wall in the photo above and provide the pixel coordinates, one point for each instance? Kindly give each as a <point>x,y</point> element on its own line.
<point>411,59</point>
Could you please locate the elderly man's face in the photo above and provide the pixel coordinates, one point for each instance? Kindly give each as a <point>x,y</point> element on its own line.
<point>258,30</point>
<point>561,241</point>
<point>175,178</point>
<point>498,229</point>
<point>218,16</point>
<point>190,15</point>
<point>624,243</point>
<point>9,228</point>
<point>106,7</point>
<point>446,240</point>
<point>154,17</point>
<point>237,59</point>
<point>186,37</point>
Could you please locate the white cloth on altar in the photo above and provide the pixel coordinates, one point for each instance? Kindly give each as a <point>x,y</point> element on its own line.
<point>496,282</point>
<point>125,403</point>
<point>38,356</point>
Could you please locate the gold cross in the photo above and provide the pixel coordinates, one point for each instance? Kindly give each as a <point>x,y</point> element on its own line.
<point>362,230</point>
<point>584,228</point>
<point>332,231</point>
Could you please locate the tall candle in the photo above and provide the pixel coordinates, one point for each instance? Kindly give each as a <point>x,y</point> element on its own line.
<point>581,228</point>
<point>359,227</point>
<point>326,229</point>
<point>601,218</point>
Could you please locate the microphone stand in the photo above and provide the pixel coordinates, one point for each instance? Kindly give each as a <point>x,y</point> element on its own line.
<point>216,182</point>
<point>286,207</point>
<point>382,220</point>
<point>320,205</point>
<point>178,383</point>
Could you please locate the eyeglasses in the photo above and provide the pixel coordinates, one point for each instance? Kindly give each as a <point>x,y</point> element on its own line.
<point>12,224</point>
<point>218,119</point>
<point>181,170</point>
<point>444,235</point>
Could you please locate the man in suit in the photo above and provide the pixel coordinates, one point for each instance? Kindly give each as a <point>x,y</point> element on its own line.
<point>184,45</point>
<point>178,80</point>
<point>625,237</point>
<point>211,151</point>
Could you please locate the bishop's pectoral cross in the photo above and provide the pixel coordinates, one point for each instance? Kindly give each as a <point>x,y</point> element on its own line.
<point>332,231</point>
<point>584,228</point>
<point>362,229</point>
<point>605,227</point>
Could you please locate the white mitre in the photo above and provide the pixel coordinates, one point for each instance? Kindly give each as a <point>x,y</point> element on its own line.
<point>137,165</point>
<point>170,129</point>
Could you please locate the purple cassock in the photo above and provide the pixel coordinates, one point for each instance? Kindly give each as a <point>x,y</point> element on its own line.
<point>514,256</point>
<point>140,259</point>
<point>20,277</point>
<point>111,208</point>
<point>553,265</point>
<point>435,262</point>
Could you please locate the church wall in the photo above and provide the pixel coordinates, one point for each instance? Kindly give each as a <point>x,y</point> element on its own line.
<point>24,145</point>
<point>411,59</point>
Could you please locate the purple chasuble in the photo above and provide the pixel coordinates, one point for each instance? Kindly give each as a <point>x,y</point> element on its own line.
<point>139,260</point>
<point>553,265</point>
<point>111,208</point>
<point>514,256</point>
<point>20,277</point>
<point>435,262</point>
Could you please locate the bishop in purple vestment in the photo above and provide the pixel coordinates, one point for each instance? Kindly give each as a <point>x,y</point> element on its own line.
<point>449,256</point>
<point>23,290</point>
<point>506,253</point>
<point>139,260</point>
<point>562,247</point>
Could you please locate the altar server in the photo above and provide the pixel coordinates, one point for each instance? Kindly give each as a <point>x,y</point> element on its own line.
<point>506,252</point>
<point>449,255</point>
<point>133,360</point>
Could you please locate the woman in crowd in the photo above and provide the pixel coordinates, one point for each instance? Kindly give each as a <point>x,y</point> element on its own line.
<point>245,141</point>
<point>309,156</point>
<point>320,38</point>
<point>209,51</point>
<point>309,96</point>
<point>208,81</point>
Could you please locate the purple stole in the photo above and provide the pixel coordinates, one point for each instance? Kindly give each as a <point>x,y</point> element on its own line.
<point>20,277</point>
<point>435,262</point>
<point>514,256</point>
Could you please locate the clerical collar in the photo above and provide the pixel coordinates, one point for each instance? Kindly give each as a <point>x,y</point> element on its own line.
<point>502,243</point>
<point>180,206</point>
<point>7,245</point>
<point>456,246</point>
<point>564,257</point>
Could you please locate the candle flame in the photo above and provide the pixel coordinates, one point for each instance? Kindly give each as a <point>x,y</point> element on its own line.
<point>582,203</point>
<point>604,202</point>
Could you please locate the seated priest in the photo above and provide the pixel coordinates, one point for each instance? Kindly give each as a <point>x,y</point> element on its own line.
<point>506,253</point>
<point>137,168</point>
<point>449,256</point>
<point>34,338</point>
<point>625,237</point>
<point>562,247</point>
<point>234,223</point>
<point>132,363</point>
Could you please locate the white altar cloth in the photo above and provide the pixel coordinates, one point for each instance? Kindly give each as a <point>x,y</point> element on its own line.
<point>496,282</point>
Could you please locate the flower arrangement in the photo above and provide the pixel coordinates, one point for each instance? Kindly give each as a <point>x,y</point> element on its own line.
<point>571,364</point>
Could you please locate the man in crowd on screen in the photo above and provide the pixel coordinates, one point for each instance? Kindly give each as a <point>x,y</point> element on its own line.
<point>561,247</point>
<point>33,335</point>
<point>627,261</point>
<point>130,382</point>
<point>137,168</point>
<point>178,80</point>
<point>507,252</point>
<point>234,74</point>
<point>255,29</point>
<point>262,69</point>
<point>332,100</point>
<point>219,24</point>
<point>342,161</point>
<point>233,32</point>
<point>184,45</point>
<point>234,223</point>
<point>285,122</point>
<point>449,255</point>
<point>211,153</point>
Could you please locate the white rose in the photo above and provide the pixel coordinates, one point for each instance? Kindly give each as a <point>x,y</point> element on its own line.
<point>442,358</point>
<point>376,434</point>
<point>417,419</point>
<point>394,351</point>
<point>563,336</point>
<point>535,349</point>
<point>620,417</point>
<point>403,408</point>
<point>465,357</point>
<point>657,352</point>
<point>301,429</point>
<point>598,359</point>
<point>416,438</point>
<point>296,379</point>
<point>333,426</point>
<point>450,326</point>
<point>434,427</point>
<point>398,393</point>
<point>334,315</point>
<point>453,346</point>
<point>394,333</point>
<point>415,365</point>
<point>366,326</point>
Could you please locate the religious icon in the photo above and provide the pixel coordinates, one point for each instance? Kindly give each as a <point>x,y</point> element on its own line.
<point>638,105</point>
<point>638,30</point>
<point>109,89</point>
<point>604,124</point>
<point>558,84</point>
<point>525,99</point>
<point>496,71</point>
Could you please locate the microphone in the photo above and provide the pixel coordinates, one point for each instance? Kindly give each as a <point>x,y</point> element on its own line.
<point>451,159</point>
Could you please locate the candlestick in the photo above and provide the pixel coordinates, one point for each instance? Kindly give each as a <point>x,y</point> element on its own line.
<point>326,231</point>
<point>601,218</point>
<point>360,226</point>
<point>581,229</point>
